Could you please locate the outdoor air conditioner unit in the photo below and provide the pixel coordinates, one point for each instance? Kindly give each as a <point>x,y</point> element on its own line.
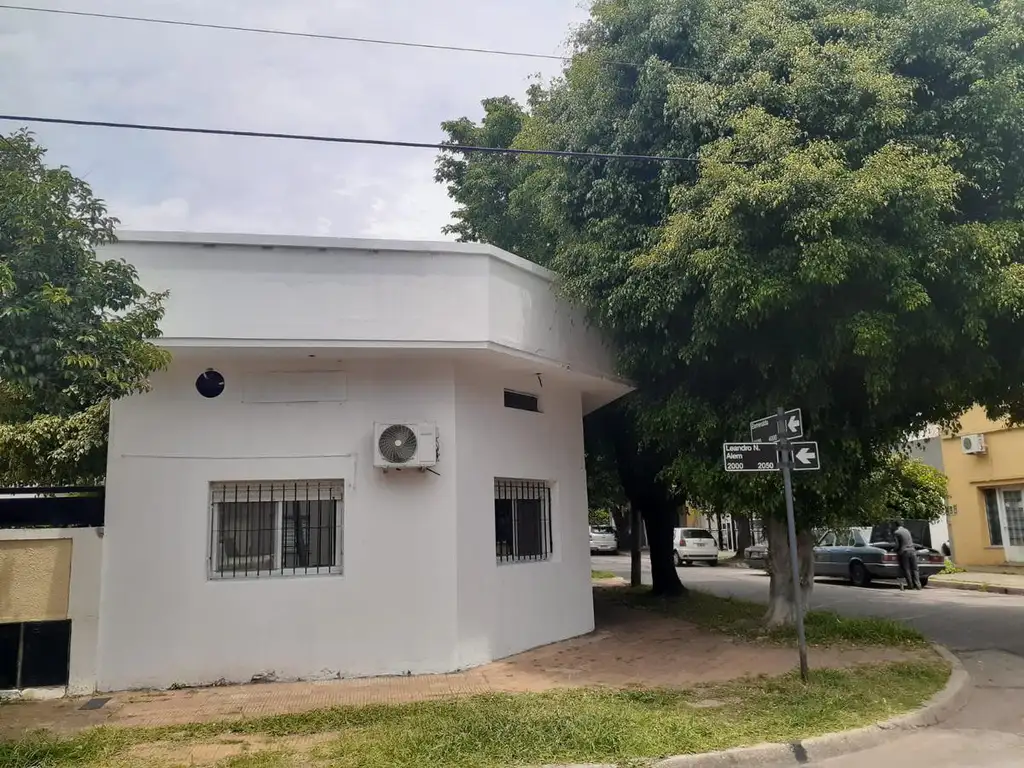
<point>972,444</point>
<point>404,445</point>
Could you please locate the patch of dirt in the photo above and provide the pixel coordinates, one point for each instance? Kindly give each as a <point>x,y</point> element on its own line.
<point>208,753</point>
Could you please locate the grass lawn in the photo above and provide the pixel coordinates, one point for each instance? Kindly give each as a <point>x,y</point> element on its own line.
<point>742,618</point>
<point>602,575</point>
<point>576,725</point>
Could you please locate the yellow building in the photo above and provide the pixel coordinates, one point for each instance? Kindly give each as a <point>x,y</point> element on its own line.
<point>984,462</point>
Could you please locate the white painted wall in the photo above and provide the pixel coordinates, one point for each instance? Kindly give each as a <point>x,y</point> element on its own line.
<point>421,589</point>
<point>361,293</point>
<point>507,608</point>
<point>393,610</point>
<point>83,597</point>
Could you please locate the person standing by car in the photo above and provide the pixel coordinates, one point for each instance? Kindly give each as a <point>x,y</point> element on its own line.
<point>906,552</point>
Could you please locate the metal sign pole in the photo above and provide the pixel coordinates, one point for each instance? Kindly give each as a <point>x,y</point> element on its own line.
<point>786,460</point>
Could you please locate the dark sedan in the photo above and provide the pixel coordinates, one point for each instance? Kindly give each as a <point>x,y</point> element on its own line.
<point>856,554</point>
<point>850,554</point>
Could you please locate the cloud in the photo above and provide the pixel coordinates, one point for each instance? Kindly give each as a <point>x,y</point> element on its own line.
<point>96,69</point>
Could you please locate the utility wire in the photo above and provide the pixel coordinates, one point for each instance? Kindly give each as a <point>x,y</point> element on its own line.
<point>346,140</point>
<point>313,35</point>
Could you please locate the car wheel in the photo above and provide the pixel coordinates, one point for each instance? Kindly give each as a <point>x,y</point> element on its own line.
<point>859,575</point>
<point>924,581</point>
<point>679,561</point>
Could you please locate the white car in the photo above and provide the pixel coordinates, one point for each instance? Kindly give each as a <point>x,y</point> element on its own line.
<point>602,539</point>
<point>694,545</point>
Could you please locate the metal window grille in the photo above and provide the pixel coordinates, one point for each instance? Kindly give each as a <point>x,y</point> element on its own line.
<point>522,520</point>
<point>276,528</point>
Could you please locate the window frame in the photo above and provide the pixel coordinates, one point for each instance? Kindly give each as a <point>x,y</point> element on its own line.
<point>536,490</point>
<point>277,569</point>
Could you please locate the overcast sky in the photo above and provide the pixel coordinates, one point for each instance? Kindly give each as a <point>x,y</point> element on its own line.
<point>131,72</point>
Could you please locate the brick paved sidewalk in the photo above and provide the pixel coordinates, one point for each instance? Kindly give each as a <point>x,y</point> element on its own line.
<point>629,649</point>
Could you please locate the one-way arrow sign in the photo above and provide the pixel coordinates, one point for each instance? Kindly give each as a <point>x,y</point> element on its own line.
<point>766,430</point>
<point>805,456</point>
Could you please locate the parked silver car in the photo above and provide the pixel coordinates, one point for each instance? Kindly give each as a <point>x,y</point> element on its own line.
<point>694,545</point>
<point>603,539</point>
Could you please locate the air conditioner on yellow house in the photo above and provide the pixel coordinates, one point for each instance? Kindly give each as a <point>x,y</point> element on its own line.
<point>972,444</point>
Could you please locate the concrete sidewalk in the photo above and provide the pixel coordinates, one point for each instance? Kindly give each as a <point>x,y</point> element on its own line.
<point>975,581</point>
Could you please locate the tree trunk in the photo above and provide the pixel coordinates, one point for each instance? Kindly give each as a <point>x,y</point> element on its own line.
<point>634,548</point>
<point>782,599</point>
<point>743,535</point>
<point>623,526</point>
<point>660,522</point>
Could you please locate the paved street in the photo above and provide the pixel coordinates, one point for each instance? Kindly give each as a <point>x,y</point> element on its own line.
<point>985,630</point>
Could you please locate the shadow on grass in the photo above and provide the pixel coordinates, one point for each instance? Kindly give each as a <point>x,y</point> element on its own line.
<point>743,619</point>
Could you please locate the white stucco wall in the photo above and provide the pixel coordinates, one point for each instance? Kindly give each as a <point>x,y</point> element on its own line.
<point>307,291</point>
<point>421,589</point>
<point>507,608</point>
<point>163,621</point>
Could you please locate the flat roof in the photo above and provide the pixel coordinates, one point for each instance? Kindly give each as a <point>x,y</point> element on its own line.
<point>213,239</point>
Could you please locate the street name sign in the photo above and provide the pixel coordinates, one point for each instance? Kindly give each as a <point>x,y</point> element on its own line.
<point>766,430</point>
<point>805,456</point>
<point>751,457</point>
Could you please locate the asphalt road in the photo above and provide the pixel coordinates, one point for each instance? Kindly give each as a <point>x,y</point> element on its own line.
<point>985,630</point>
<point>959,620</point>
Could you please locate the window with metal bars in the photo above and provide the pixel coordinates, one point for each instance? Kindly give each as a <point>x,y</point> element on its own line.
<point>522,520</point>
<point>276,528</point>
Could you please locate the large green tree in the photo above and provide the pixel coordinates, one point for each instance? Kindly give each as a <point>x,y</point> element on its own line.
<point>74,329</point>
<point>847,238</point>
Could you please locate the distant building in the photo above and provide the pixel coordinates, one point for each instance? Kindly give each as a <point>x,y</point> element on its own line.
<point>984,461</point>
<point>926,446</point>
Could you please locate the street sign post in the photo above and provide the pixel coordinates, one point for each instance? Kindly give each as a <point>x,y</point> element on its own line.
<point>772,448</point>
<point>751,457</point>
<point>767,430</point>
<point>787,457</point>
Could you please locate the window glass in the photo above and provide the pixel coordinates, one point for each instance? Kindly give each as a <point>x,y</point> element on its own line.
<point>995,530</point>
<point>275,528</point>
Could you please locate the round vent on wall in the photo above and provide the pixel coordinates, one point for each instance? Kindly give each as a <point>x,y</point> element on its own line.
<point>210,383</point>
<point>397,444</point>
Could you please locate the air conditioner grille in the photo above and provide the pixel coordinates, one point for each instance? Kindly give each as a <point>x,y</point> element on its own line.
<point>397,444</point>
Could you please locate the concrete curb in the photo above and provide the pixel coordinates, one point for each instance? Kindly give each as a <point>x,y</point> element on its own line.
<point>941,706</point>
<point>974,586</point>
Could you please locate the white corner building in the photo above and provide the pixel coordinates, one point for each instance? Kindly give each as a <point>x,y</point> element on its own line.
<point>365,458</point>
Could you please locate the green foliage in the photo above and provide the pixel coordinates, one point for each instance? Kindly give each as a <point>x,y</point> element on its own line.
<point>600,516</point>
<point>849,241</point>
<point>912,490</point>
<point>74,329</point>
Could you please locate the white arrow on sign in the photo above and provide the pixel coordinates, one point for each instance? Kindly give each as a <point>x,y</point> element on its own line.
<point>793,424</point>
<point>805,455</point>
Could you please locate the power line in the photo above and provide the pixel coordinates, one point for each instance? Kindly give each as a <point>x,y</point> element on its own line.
<point>345,140</point>
<point>314,35</point>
